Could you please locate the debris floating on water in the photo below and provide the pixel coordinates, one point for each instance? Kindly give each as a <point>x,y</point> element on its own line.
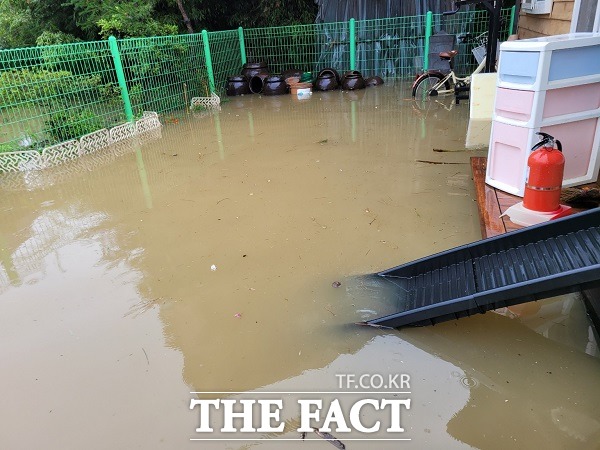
<point>447,150</point>
<point>330,438</point>
<point>213,267</point>
<point>238,315</point>
<point>336,284</point>
<point>437,162</point>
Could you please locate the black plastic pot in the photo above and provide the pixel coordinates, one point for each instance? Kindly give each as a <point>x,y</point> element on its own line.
<point>331,71</point>
<point>254,68</point>
<point>326,82</point>
<point>353,80</point>
<point>291,73</point>
<point>256,83</point>
<point>274,85</point>
<point>237,85</point>
<point>373,81</point>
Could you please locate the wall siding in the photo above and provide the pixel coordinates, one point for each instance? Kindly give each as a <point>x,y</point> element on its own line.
<point>558,22</point>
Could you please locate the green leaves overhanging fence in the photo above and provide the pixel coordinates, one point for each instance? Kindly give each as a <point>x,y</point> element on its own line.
<point>55,93</point>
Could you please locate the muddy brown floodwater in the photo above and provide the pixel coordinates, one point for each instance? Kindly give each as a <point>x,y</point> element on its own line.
<point>204,261</point>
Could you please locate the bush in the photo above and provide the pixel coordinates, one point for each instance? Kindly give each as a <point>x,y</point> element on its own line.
<point>43,86</point>
<point>8,147</point>
<point>66,125</point>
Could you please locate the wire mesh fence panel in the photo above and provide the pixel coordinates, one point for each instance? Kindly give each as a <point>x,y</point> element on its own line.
<point>391,47</point>
<point>58,93</point>
<point>163,73</point>
<point>55,93</point>
<point>309,48</point>
<point>470,28</point>
<point>332,47</point>
<point>226,56</point>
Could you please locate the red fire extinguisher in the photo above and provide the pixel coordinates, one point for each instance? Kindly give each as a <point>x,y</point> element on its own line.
<point>546,166</point>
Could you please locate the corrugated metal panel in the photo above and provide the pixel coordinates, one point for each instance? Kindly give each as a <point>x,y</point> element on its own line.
<point>340,10</point>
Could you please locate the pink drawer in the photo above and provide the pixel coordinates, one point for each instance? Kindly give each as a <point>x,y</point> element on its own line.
<point>573,99</point>
<point>514,104</point>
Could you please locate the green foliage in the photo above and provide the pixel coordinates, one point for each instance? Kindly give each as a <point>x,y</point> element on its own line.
<point>46,22</point>
<point>110,92</point>
<point>8,147</point>
<point>15,24</point>
<point>55,38</point>
<point>116,26</point>
<point>118,18</point>
<point>198,107</point>
<point>65,125</point>
<point>271,13</point>
<point>43,86</point>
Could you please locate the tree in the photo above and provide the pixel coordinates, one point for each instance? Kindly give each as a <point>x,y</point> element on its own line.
<point>15,24</point>
<point>23,21</point>
<point>186,19</point>
<point>273,13</point>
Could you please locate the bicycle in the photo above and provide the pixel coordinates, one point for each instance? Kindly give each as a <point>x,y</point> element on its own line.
<point>434,83</point>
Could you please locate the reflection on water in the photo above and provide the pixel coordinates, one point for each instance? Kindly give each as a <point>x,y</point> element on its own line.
<point>210,256</point>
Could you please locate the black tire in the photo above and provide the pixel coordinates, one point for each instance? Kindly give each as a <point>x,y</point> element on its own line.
<point>421,89</point>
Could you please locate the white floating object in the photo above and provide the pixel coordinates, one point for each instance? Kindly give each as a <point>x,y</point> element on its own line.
<point>520,215</point>
<point>213,267</point>
<point>304,93</point>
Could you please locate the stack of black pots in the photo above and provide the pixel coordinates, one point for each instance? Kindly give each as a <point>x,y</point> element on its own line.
<point>250,81</point>
<point>329,79</point>
<point>256,79</point>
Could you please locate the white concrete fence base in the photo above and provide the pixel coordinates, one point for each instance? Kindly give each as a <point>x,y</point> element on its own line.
<point>26,160</point>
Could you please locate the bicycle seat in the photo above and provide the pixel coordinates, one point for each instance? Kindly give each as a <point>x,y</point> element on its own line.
<point>448,55</point>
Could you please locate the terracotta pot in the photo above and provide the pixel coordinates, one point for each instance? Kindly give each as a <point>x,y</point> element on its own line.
<point>274,85</point>
<point>254,68</point>
<point>257,82</point>
<point>353,80</point>
<point>294,88</point>
<point>326,82</point>
<point>237,85</point>
<point>331,71</point>
<point>373,81</point>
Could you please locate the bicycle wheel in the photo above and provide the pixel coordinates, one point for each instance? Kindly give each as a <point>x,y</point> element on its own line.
<point>423,89</point>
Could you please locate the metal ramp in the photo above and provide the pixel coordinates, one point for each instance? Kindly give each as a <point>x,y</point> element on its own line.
<point>541,261</point>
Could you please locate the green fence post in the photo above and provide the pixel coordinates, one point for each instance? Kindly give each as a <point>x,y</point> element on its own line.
<point>511,27</point>
<point>242,45</point>
<point>209,68</point>
<point>114,50</point>
<point>352,25</point>
<point>428,26</point>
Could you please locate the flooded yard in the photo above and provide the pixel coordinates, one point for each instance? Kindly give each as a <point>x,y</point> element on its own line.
<point>206,260</point>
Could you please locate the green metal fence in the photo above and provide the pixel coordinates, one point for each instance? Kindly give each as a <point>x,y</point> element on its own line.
<point>227,55</point>
<point>473,24</point>
<point>51,94</point>
<point>163,73</point>
<point>55,93</point>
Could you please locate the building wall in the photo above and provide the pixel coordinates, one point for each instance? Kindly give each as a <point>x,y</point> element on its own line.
<point>536,25</point>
